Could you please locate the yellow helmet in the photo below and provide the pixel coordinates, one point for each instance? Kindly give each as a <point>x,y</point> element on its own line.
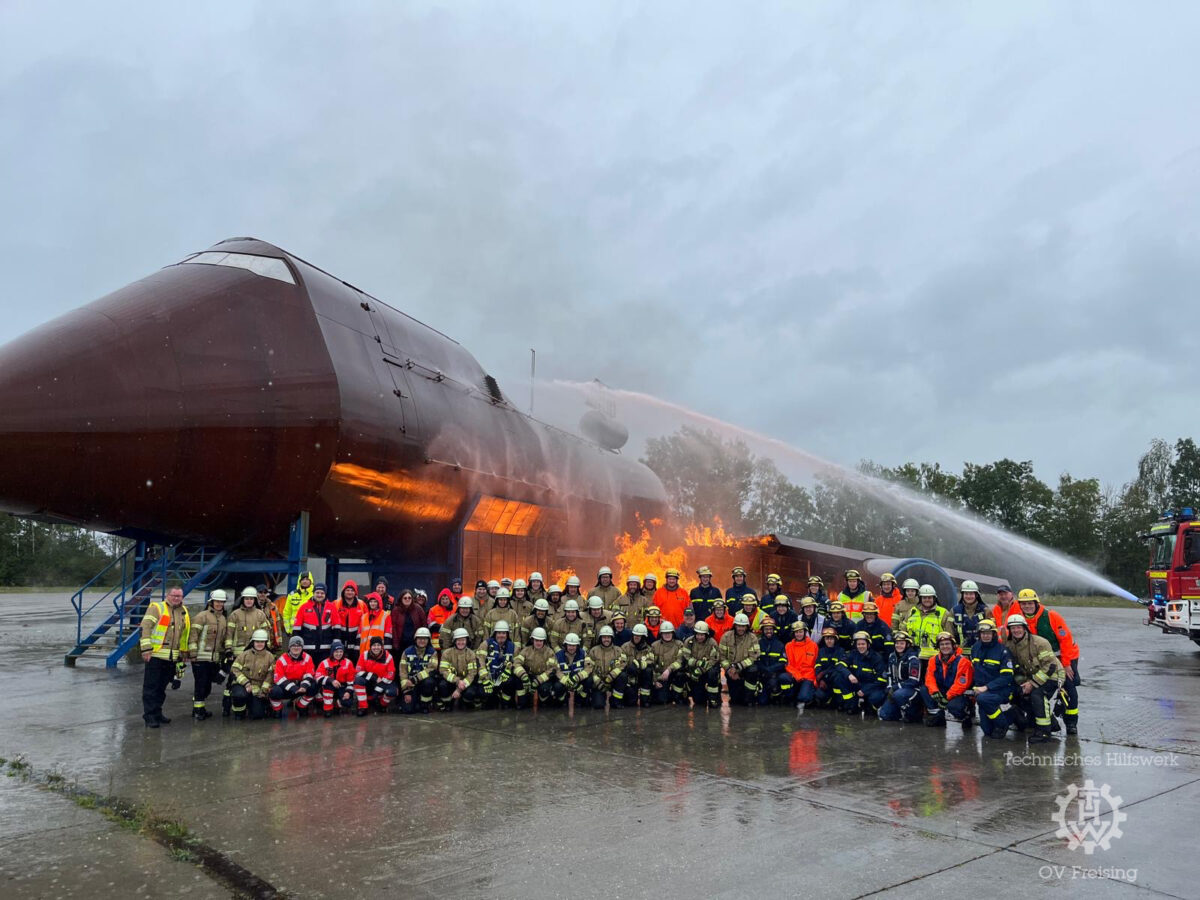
<point>671,572</point>
<point>815,579</point>
<point>1026,595</point>
<point>852,573</point>
<point>835,606</point>
<point>886,577</point>
<point>870,606</point>
<point>862,636</point>
<point>774,579</point>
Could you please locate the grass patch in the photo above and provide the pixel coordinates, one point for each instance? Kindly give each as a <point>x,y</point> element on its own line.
<point>1054,601</point>
<point>18,768</point>
<point>182,854</point>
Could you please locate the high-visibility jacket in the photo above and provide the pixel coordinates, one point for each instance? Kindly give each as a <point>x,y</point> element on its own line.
<point>853,603</point>
<point>901,612</point>
<point>243,622</point>
<point>924,627</point>
<point>318,625</point>
<point>165,630</point>
<point>437,615</point>
<point>289,669</point>
<point>802,659</point>
<point>206,637</point>
<point>949,676</point>
<point>295,600</point>
<point>337,670</point>
<point>756,620</point>
<point>371,625</point>
<point>349,618</point>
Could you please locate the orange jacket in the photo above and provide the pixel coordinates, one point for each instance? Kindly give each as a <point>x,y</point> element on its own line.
<point>719,626</point>
<point>1050,625</point>
<point>887,605</point>
<point>801,659</point>
<point>377,624</point>
<point>951,676</point>
<point>672,604</point>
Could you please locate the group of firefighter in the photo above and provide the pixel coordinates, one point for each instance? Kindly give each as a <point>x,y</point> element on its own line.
<point>897,654</point>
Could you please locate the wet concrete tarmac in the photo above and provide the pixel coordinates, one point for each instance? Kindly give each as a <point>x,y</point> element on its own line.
<point>628,803</point>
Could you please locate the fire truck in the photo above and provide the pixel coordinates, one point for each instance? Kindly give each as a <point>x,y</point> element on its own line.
<point>1174,573</point>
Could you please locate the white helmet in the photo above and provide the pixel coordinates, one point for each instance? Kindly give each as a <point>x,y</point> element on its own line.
<point>968,585</point>
<point>1016,619</point>
<point>538,634</point>
<point>541,603</point>
<point>260,634</point>
<point>595,603</point>
<point>701,627</point>
<point>246,592</point>
<point>500,625</point>
<point>605,631</point>
<point>572,639</point>
<point>926,590</point>
<point>218,596</point>
<point>460,633</point>
<point>641,629</point>
<point>554,589</point>
<point>503,592</point>
<point>520,583</point>
<point>466,603</point>
<point>910,584</point>
<point>571,604</point>
<point>604,570</point>
<point>650,577</point>
<point>739,619</point>
<point>536,576</point>
<point>573,581</point>
<point>493,584</point>
<point>633,579</point>
<point>422,632</point>
<point>668,628</point>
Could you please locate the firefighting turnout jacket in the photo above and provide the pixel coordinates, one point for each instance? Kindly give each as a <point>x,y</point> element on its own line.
<point>254,669</point>
<point>459,665</point>
<point>416,667</point>
<point>637,656</point>
<point>665,655</point>
<point>1033,660</point>
<point>495,661</point>
<point>165,630</point>
<point>697,658</point>
<point>536,663</point>
<point>206,637</point>
<point>739,652</point>
<point>571,669</point>
<point>605,663</point>
<point>242,623</point>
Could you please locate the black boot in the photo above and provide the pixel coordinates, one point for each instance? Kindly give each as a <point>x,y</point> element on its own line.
<point>1072,726</point>
<point>150,721</point>
<point>200,714</point>
<point>163,720</point>
<point>1041,735</point>
<point>329,713</point>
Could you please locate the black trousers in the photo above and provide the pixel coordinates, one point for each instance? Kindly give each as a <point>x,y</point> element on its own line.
<point>159,673</point>
<point>242,698</point>
<point>202,674</point>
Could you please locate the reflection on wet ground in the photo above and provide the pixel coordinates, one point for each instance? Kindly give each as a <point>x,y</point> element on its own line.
<point>660,802</point>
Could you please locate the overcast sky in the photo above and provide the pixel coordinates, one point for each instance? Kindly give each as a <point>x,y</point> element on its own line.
<point>901,231</point>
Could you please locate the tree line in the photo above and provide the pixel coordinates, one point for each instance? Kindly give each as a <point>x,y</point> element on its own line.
<point>708,476</point>
<point>39,554</point>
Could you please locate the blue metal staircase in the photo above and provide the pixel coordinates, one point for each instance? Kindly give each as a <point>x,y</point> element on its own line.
<point>141,574</point>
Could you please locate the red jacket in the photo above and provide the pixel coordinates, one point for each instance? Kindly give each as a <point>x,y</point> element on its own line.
<point>801,659</point>
<point>351,614</point>
<point>672,604</point>
<point>951,676</point>
<point>339,671</point>
<point>288,669</point>
<point>405,622</point>
<point>318,629</point>
<point>383,668</point>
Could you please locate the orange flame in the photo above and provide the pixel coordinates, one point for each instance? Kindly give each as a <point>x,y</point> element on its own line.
<point>713,535</point>
<point>561,576</point>
<point>643,555</point>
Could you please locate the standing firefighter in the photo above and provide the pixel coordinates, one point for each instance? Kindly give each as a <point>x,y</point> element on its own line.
<point>926,622</point>
<point>295,680</point>
<point>418,673</point>
<point>700,659</point>
<point>736,591</point>
<point>164,644</point>
<point>671,598</point>
<point>633,602</point>
<point>1038,675</point>
<point>537,670</point>
<point>608,592</point>
<point>968,613</point>
<point>854,595</point>
<point>909,600</point>
<point>703,594</point>
<point>335,680</point>
<point>317,623</point>
<point>252,673</point>
<point>297,598</point>
<point>888,597</point>
<point>244,621</point>
<point>739,655</point>
<point>904,682</point>
<point>206,647</point>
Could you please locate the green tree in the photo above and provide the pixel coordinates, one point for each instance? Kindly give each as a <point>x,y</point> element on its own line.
<point>1184,474</point>
<point>1006,493</point>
